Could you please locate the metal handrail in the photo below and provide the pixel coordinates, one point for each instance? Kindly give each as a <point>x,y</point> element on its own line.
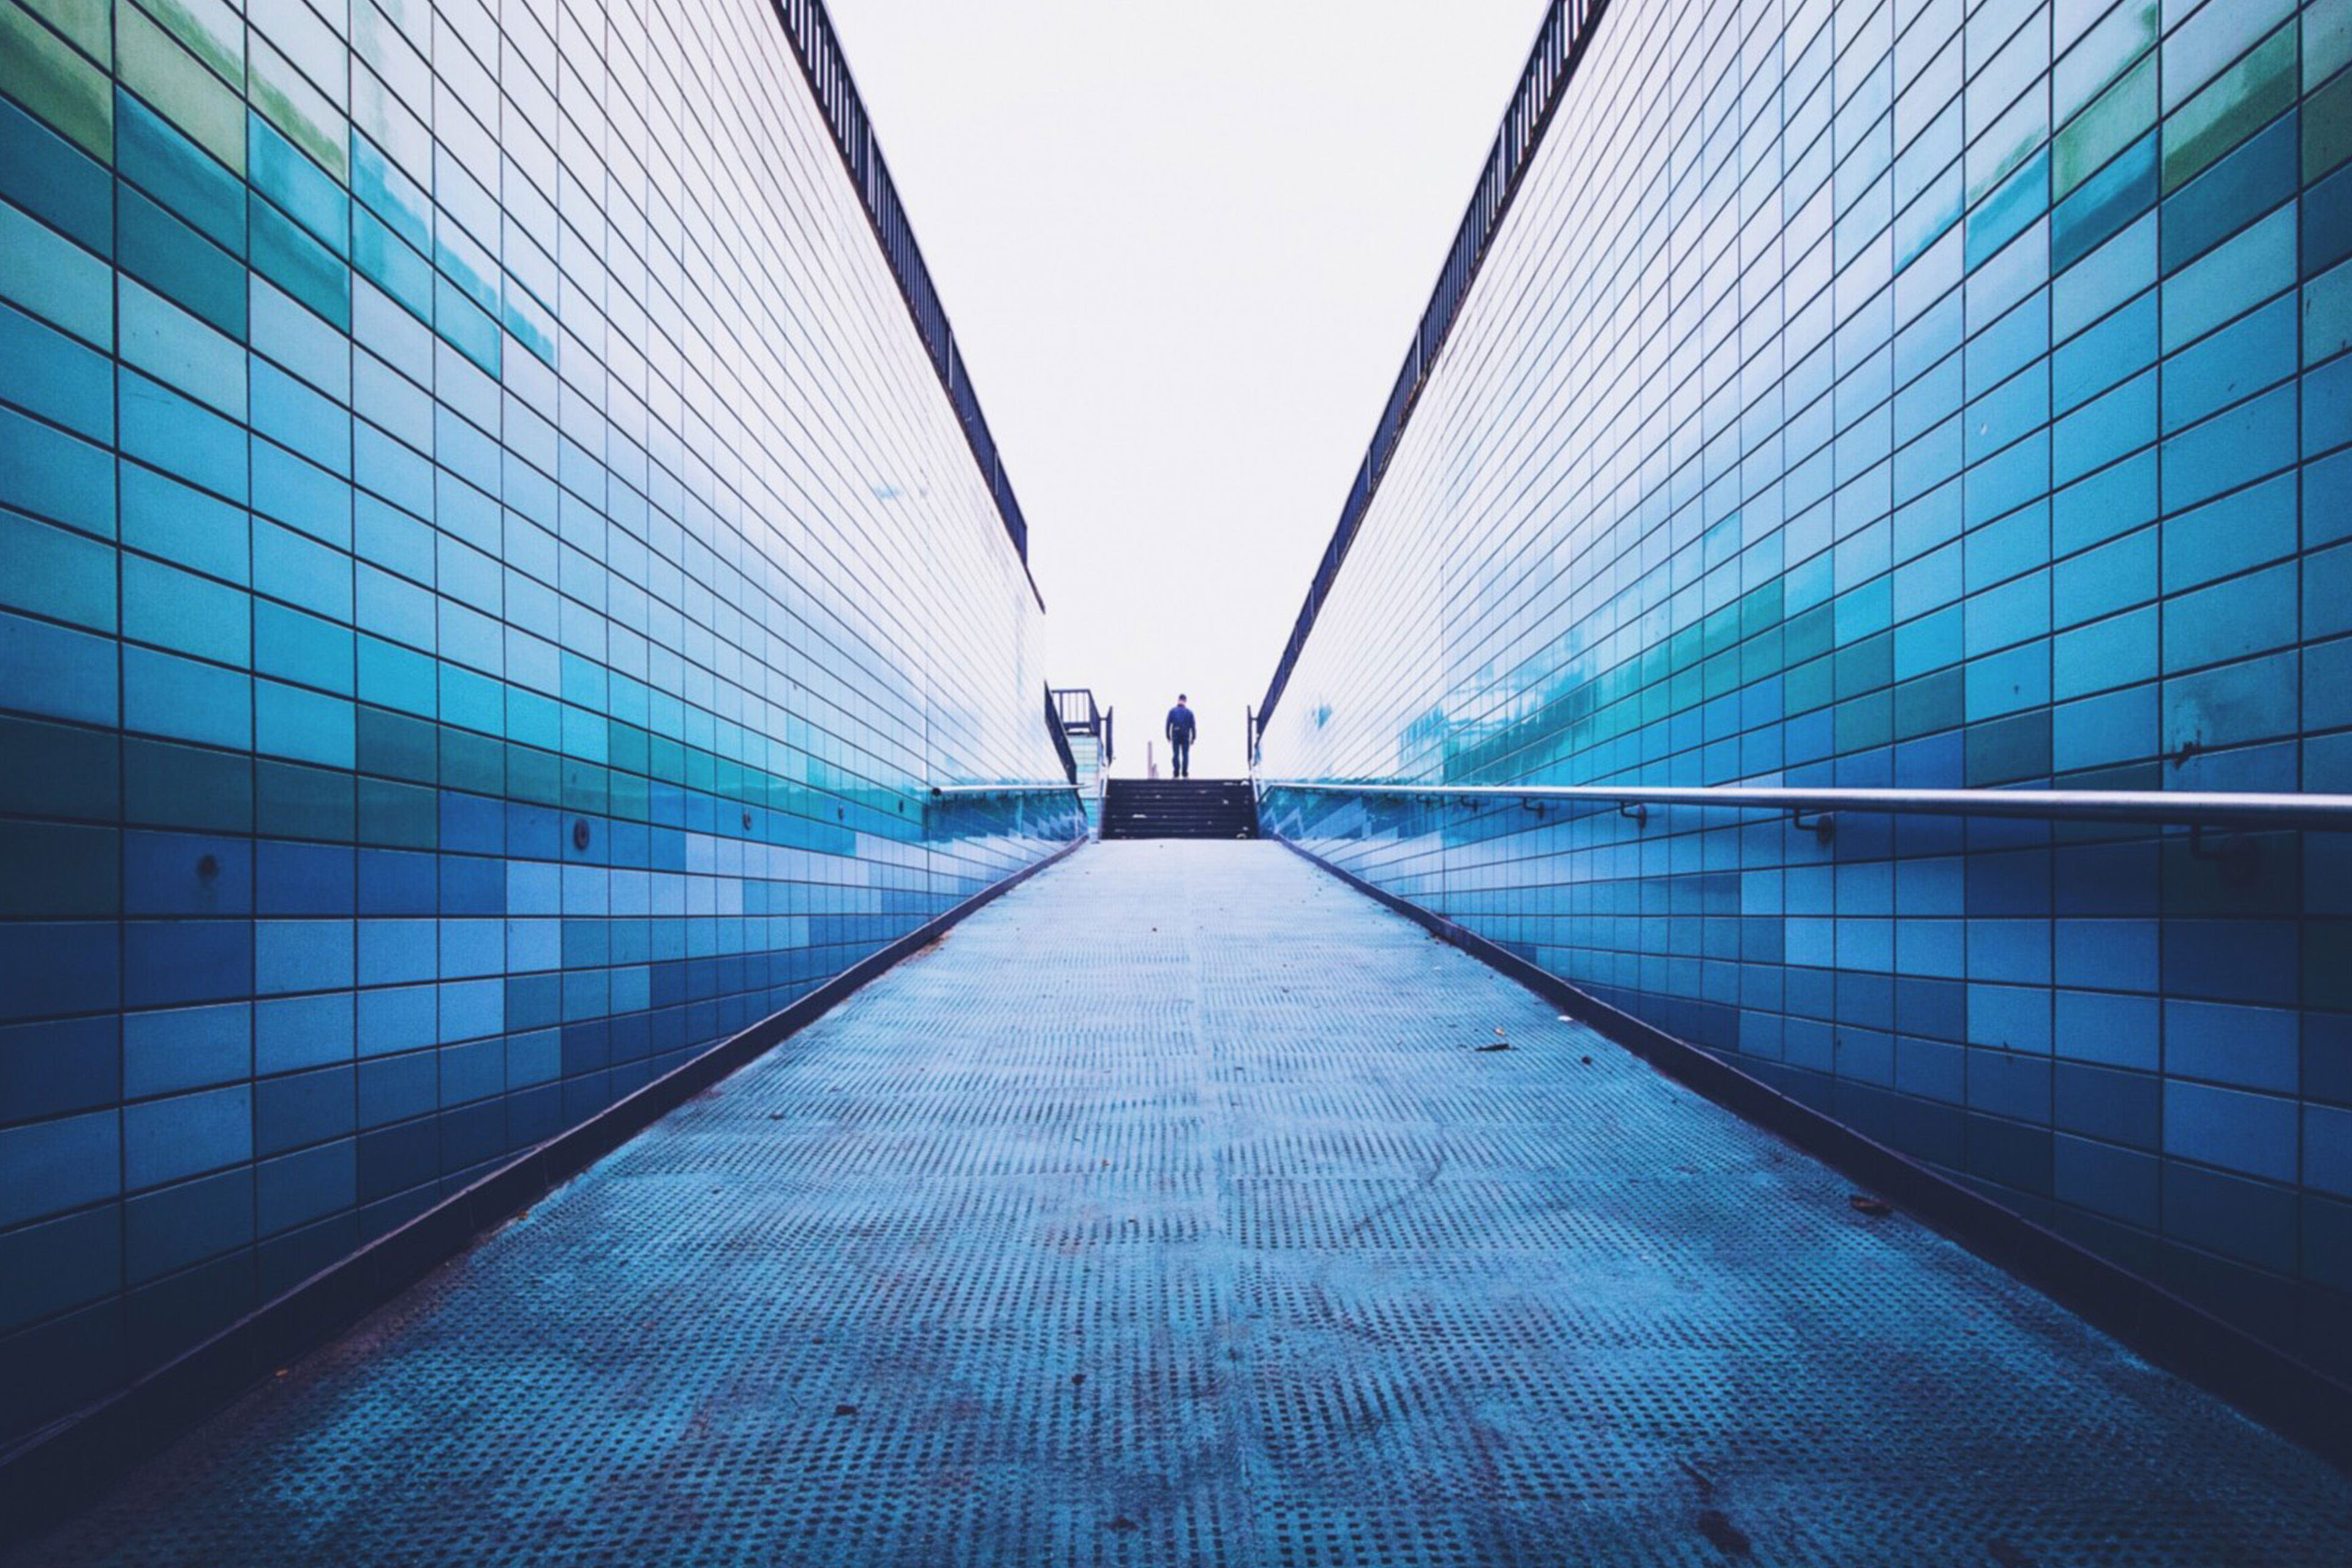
<point>2192,808</point>
<point>1081,715</point>
<point>1076,704</point>
<point>976,792</point>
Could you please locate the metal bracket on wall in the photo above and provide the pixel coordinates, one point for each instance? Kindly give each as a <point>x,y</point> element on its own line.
<point>1632,811</point>
<point>2219,844</point>
<point>1822,826</point>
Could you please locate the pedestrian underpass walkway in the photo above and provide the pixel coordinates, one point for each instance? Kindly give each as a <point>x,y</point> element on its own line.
<point>1172,1210</point>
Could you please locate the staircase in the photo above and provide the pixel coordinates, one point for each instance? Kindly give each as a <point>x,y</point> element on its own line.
<point>1085,728</point>
<point>1179,808</point>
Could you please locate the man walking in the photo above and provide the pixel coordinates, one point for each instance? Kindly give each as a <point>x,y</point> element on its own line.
<point>1180,737</point>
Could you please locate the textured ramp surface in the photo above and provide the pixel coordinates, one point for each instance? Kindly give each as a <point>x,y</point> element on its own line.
<point>1167,1213</point>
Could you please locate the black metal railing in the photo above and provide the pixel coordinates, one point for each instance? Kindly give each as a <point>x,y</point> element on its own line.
<point>818,48</point>
<point>1559,44</point>
<point>1079,715</point>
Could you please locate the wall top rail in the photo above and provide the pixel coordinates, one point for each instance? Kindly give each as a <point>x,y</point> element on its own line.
<point>810,30</point>
<point>1559,44</point>
<point>2191,808</point>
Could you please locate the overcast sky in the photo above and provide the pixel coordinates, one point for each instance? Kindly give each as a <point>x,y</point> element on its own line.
<point>1184,244</point>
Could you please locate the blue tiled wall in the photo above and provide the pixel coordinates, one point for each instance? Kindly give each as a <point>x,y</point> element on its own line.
<point>488,575</point>
<point>1925,393</point>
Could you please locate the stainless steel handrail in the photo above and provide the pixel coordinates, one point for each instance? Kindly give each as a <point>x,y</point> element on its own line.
<point>975,790</point>
<point>2193,809</point>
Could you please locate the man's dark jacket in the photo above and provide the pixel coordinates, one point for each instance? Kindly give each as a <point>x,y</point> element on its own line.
<point>1179,723</point>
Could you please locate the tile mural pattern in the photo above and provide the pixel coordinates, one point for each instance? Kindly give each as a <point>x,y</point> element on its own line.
<point>488,576</point>
<point>1926,393</point>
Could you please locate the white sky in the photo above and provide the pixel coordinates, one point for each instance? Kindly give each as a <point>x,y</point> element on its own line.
<point>1184,244</point>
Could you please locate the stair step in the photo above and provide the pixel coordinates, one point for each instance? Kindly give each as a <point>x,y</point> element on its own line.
<point>1179,808</point>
